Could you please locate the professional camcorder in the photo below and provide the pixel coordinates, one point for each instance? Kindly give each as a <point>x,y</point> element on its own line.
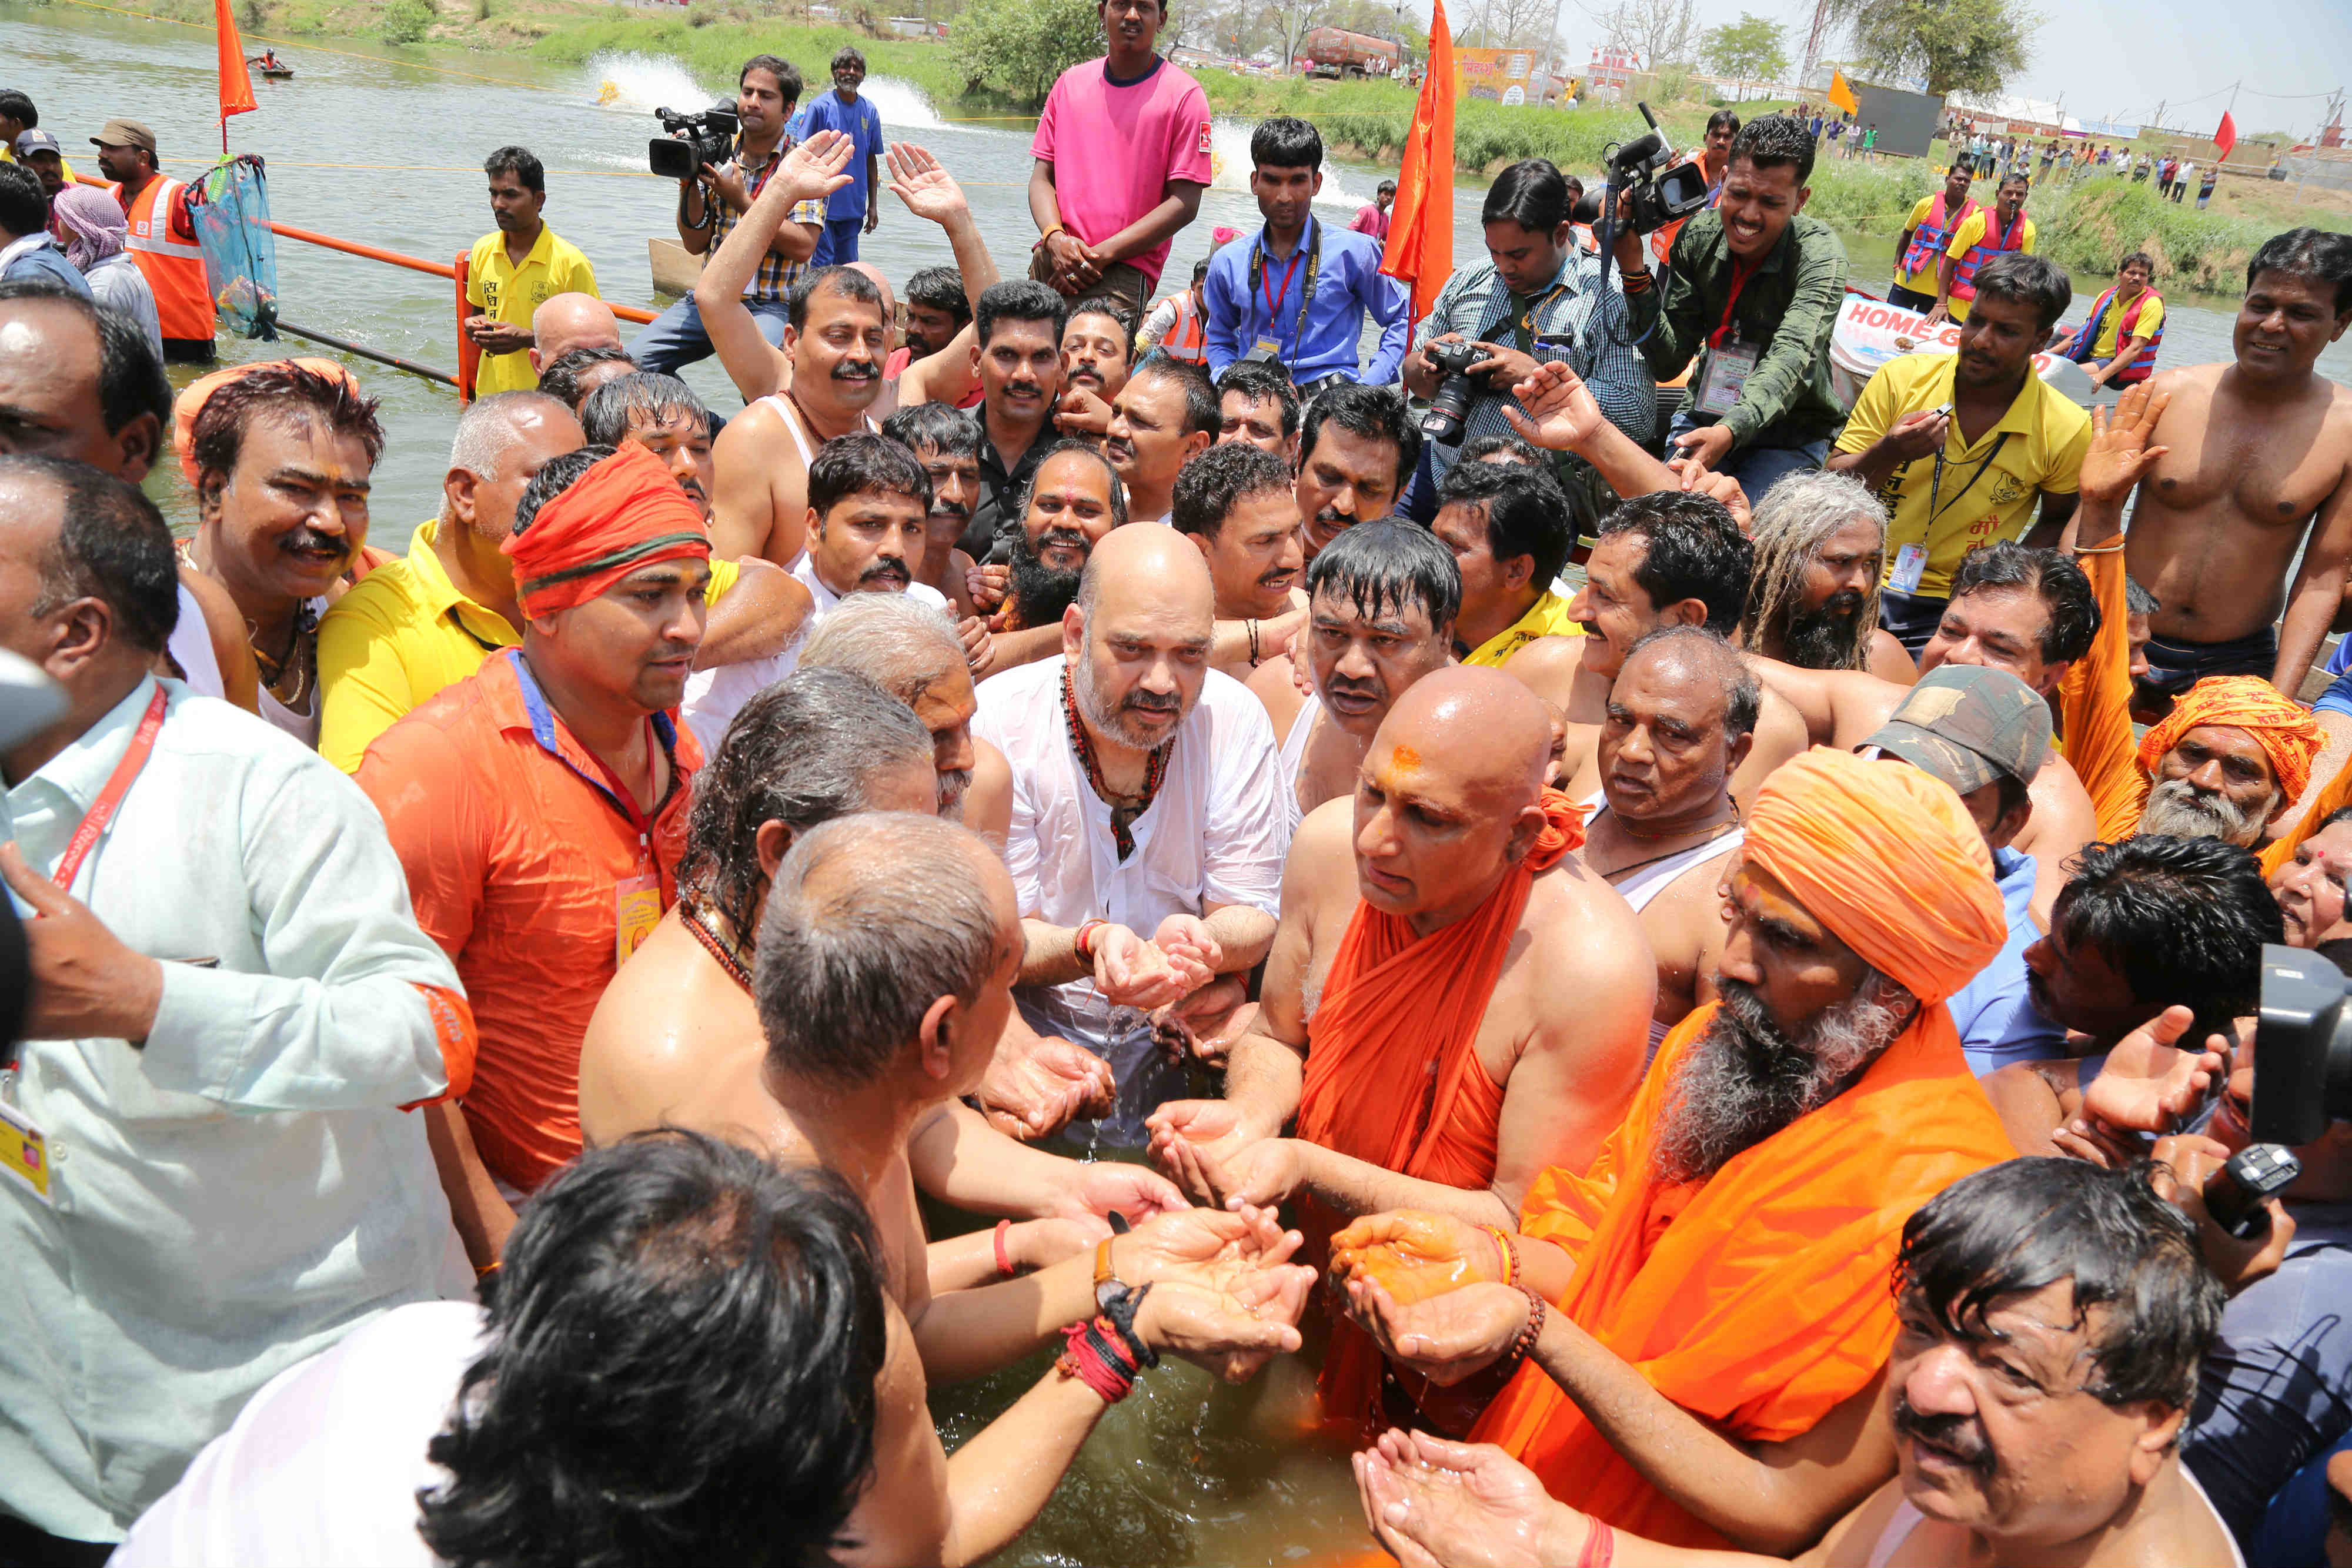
<point>2303,1080</point>
<point>1457,389</point>
<point>1651,190</point>
<point>695,142</point>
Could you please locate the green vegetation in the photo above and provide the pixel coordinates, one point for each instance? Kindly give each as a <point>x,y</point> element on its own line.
<point>1749,49</point>
<point>2086,225</point>
<point>407,21</point>
<point>1959,46</point>
<point>1019,46</point>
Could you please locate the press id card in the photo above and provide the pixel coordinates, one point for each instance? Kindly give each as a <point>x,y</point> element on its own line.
<point>636,910</point>
<point>25,1152</point>
<point>1910,565</point>
<point>1727,370</point>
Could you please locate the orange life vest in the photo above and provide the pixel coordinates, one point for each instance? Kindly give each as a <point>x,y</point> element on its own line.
<point>175,269</point>
<point>1188,337</point>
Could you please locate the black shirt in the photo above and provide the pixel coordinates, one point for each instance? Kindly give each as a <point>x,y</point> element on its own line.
<point>998,488</point>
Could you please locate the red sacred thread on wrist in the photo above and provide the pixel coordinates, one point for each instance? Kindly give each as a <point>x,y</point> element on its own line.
<point>1600,1546</point>
<point>1083,944</point>
<point>1096,1360</point>
<point>1004,1258</point>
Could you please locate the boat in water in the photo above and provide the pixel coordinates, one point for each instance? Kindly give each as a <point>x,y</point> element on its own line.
<point>275,70</point>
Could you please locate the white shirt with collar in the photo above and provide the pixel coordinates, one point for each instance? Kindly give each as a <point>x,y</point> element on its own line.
<point>1216,833</point>
<point>241,1189</point>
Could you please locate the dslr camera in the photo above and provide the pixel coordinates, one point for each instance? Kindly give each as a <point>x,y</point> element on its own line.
<point>1457,389</point>
<point>1650,195</point>
<point>2303,1080</point>
<point>695,142</point>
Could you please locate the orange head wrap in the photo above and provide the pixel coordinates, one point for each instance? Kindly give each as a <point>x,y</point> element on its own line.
<point>622,515</point>
<point>2286,731</point>
<point>196,393</point>
<point>1563,831</point>
<point>1886,858</point>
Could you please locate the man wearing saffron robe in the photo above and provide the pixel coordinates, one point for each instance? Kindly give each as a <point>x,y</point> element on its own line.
<point>1453,1003</point>
<point>1707,1308</point>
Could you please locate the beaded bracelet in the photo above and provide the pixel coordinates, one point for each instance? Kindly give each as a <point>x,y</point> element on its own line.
<point>1524,1346</point>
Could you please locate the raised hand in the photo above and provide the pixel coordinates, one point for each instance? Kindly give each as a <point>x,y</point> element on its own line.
<point>1463,1505</point>
<point>1446,1338</point>
<point>2119,456</point>
<point>2149,1080</point>
<point>1033,1089</point>
<point>816,167</point>
<point>1415,1255</point>
<point>1560,414</point>
<point>921,181</point>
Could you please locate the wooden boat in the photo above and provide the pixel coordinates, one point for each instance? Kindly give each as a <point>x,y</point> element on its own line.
<point>675,268</point>
<point>275,73</point>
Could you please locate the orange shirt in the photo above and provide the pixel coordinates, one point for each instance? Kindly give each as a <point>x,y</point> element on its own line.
<point>522,862</point>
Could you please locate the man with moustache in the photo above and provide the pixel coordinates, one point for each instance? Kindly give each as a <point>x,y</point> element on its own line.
<point>1018,335</point>
<point>1073,499</point>
<point>1380,607</point>
<point>1356,450</point>
<point>1165,416</point>
<point>1508,526</point>
<point>1256,403</point>
<point>539,806</point>
<point>947,446</point>
<point>1700,1319</point>
<point>662,414</point>
<point>163,238</point>
<point>1820,543</point>
<point>1237,502</point>
<point>1681,719</point>
<point>2229,762</point>
<point>1097,353</point>
<point>2053,1316</point>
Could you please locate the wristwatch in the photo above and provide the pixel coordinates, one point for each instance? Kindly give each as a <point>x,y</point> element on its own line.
<point>1117,1301</point>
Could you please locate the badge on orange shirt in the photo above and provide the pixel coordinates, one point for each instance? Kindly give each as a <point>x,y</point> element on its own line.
<point>636,910</point>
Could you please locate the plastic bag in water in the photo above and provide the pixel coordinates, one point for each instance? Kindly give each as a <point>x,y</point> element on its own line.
<point>231,209</point>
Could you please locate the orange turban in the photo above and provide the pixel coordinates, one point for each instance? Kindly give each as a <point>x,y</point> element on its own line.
<point>1888,858</point>
<point>624,514</point>
<point>2286,729</point>
<point>196,393</point>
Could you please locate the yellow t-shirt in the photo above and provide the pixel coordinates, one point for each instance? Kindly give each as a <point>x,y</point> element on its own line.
<point>1972,233</point>
<point>401,634</point>
<point>2151,317</point>
<point>2046,437</point>
<point>1547,617</point>
<point>497,287</point>
<point>1923,280</point>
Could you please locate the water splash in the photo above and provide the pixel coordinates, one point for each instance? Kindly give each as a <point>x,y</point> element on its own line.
<point>902,104</point>
<point>1229,159</point>
<point>628,82</point>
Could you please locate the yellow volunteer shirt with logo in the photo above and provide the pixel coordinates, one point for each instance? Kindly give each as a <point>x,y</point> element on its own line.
<point>1971,233</point>
<point>495,287</point>
<point>2040,440</point>
<point>400,635</point>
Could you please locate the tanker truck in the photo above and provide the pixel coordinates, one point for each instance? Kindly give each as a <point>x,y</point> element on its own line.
<point>1337,52</point>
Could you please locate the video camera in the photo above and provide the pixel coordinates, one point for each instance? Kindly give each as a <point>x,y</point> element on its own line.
<point>695,141</point>
<point>1652,189</point>
<point>2303,1080</point>
<point>1457,389</point>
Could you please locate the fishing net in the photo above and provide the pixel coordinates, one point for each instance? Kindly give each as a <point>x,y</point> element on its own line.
<point>231,209</point>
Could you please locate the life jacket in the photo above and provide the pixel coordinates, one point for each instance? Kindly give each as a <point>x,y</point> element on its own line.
<point>1928,240</point>
<point>2083,345</point>
<point>1964,274</point>
<point>1187,337</point>
<point>175,269</point>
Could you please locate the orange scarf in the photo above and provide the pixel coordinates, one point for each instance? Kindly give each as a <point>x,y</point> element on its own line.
<point>626,513</point>
<point>2095,703</point>
<point>1759,1299</point>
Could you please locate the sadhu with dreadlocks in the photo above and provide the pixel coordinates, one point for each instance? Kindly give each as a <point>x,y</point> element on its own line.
<point>1821,547</point>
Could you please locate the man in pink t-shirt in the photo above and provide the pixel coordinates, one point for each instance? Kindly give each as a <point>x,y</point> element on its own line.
<point>1373,217</point>
<point>1137,134</point>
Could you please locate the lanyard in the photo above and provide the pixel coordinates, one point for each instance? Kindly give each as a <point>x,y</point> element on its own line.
<point>2007,234</point>
<point>1935,483</point>
<point>1739,276</point>
<point>620,798</point>
<point>1307,295</point>
<point>102,812</point>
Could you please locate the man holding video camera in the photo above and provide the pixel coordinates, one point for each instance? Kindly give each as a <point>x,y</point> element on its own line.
<point>1751,294</point>
<point>1539,297</point>
<point>715,198</point>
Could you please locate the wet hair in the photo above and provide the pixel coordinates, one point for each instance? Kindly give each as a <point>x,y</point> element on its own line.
<point>1775,141</point>
<point>1523,509</point>
<point>1723,120</point>
<point>24,205</point>
<point>131,380</point>
<point>1019,299</point>
<point>787,75</point>
<point>1262,381</point>
<point>2143,258</point>
<point>1531,192</point>
<point>846,281</point>
<point>648,396</point>
<point>679,1365</point>
<point>847,56</point>
<point>519,163</point>
<point>111,545</point>
<point>2024,279</point>
<point>1743,693</point>
<point>273,389</point>
<point>557,475</point>
<point>1388,566</point>
<point>560,379</point>
<point>802,751</point>
<point>2047,574</point>
<point>1285,141</point>
<point>870,920</point>
<point>16,106</point>
<point>1068,445</point>
<point>1212,484</point>
<point>866,464</point>
<point>2315,256</point>
<point>1375,413</point>
<point>1202,414</point>
<point>947,431</point>
<point>1793,519</point>
<point>941,288</point>
<point>2183,921</point>
<point>2027,1224</point>
<point>1484,448</point>
<point>2138,600</point>
<point>1692,550</point>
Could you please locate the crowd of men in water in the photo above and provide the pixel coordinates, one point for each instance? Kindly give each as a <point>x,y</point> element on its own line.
<point>1693,949</point>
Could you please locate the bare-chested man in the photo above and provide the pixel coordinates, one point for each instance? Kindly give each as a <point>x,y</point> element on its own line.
<point>1666,559</point>
<point>2258,461</point>
<point>1436,930</point>
<point>1381,600</point>
<point>1680,720</point>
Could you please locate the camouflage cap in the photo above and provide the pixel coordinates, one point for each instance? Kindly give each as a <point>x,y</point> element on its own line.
<point>1969,725</point>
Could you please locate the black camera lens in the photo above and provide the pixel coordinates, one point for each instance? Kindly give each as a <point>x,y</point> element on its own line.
<point>2303,1049</point>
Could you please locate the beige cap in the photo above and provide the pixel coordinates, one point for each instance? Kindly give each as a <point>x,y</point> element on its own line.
<point>124,133</point>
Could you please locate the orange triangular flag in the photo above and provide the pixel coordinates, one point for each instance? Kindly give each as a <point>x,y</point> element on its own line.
<point>1420,237</point>
<point>236,82</point>
<point>1842,95</point>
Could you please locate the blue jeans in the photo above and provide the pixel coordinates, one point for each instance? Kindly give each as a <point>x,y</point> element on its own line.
<point>675,337</point>
<point>1759,468</point>
<point>837,245</point>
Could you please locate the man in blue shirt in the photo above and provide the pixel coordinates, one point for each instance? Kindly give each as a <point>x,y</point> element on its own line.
<point>852,210</point>
<point>1299,291</point>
